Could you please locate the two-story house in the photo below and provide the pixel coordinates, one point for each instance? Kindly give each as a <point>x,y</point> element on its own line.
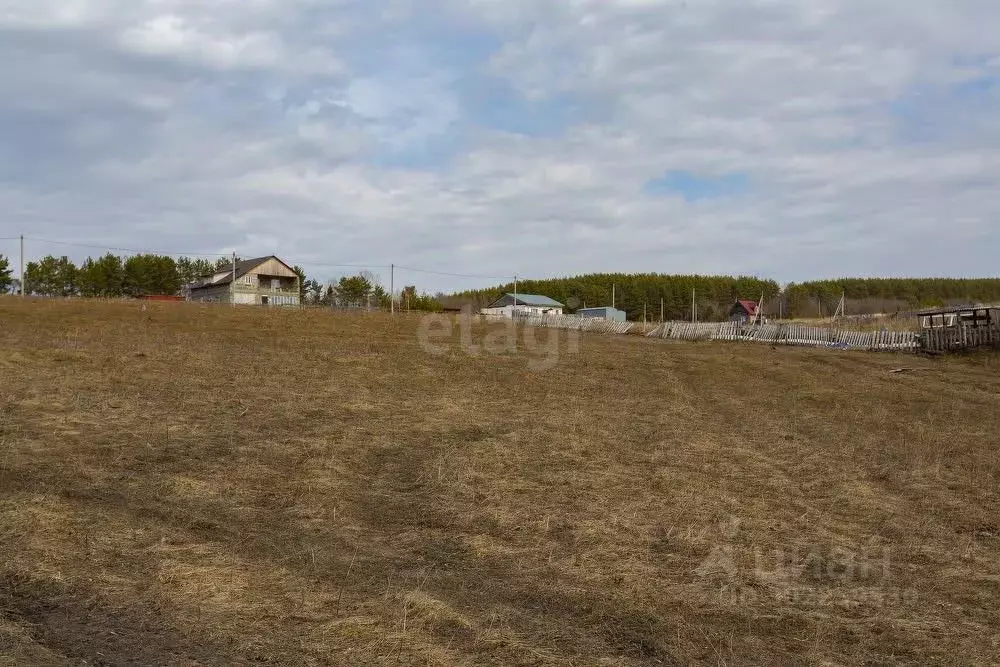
<point>264,281</point>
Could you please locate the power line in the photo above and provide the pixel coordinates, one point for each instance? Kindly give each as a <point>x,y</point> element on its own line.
<point>404,268</point>
<point>454,275</point>
<point>223,254</point>
<point>151,252</point>
<point>347,266</point>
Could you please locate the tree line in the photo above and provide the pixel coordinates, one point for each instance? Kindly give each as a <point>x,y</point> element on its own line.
<point>112,276</point>
<point>714,296</point>
<point>637,293</point>
<point>362,291</point>
<point>887,295</point>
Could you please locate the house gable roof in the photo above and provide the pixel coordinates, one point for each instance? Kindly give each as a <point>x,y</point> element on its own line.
<point>749,306</point>
<point>243,267</point>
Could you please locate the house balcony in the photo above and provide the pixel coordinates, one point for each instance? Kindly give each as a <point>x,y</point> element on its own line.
<point>266,290</point>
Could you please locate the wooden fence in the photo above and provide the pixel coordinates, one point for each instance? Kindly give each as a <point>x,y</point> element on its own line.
<point>592,324</point>
<point>931,340</point>
<point>949,339</point>
<point>789,334</point>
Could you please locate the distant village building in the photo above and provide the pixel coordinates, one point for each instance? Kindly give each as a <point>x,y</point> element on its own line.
<point>604,313</point>
<point>743,311</point>
<point>523,304</point>
<point>264,281</point>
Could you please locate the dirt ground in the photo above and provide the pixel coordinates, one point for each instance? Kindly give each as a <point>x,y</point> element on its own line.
<point>185,484</point>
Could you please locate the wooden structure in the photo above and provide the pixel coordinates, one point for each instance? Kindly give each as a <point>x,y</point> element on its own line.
<point>959,328</point>
<point>961,316</point>
<point>264,281</point>
<point>951,339</point>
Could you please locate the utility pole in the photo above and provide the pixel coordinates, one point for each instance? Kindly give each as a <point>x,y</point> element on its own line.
<point>644,315</point>
<point>694,311</point>
<point>392,289</point>
<point>22,266</point>
<point>612,295</point>
<point>513,308</point>
<point>661,310</point>
<point>232,287</point>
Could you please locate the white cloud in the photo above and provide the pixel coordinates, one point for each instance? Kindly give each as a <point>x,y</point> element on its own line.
<point>171,35</point>
<point>214,125</point>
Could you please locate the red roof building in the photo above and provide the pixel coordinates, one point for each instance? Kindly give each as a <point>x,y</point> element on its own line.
<point>743,311</point>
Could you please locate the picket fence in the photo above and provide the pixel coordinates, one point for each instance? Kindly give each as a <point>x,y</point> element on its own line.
<point>591,324</point>
<point>789,334</point>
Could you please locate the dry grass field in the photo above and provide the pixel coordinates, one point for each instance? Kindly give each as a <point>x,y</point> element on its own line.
<point>186,484</point>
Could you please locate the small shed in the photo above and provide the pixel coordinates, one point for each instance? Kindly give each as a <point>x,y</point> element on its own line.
<point>604,313</point>
<point>959,316</point>
<point>743,311</point>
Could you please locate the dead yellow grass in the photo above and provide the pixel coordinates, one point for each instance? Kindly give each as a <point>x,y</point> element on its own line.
<point>185,484</point>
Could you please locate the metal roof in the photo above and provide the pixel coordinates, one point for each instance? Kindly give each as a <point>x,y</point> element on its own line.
<point>535,300</point>
<point>242,268</point>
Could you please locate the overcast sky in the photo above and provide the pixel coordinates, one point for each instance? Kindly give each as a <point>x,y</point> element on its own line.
<point>785,138</point>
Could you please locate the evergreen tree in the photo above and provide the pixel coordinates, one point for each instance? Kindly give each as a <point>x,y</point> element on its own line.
<point>51,276</point>
<point>151,274</point>
<point>103,277</point>
<point>353,290</point>
<point>190,270</point>
<point>303,290</point>
<point>6,279</point>
<point>313,291</point>
<point>225,264</point>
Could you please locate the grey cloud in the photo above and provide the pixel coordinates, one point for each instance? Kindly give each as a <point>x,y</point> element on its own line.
<point>210,126</point>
